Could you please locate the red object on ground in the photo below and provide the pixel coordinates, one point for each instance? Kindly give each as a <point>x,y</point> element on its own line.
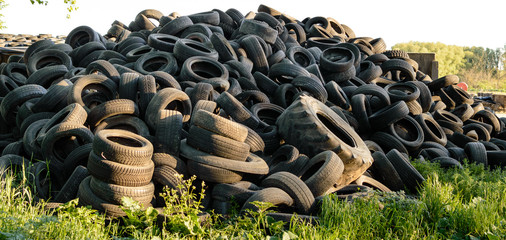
<point>462,85</point>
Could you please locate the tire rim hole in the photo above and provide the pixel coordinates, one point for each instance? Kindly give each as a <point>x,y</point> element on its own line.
<point>125,141</point>
<point>336,130</point>
<point>302,59</point>
<point>175,105</point>
<point>206,70</point>
<point>198,47</point>
<point>312,170</point>
<point>434,129</point>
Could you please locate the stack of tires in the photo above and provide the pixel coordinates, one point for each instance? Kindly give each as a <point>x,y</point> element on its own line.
<point>216,150</point>
<point>120,166</point>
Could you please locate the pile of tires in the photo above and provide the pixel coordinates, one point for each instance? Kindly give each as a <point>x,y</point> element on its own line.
<point>120,166</point>
<point>261,107</point>
<point>25,40</point>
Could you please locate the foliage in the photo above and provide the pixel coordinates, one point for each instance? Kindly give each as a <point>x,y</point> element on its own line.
<point>481,68</point>
<point>484,59</point>
<point>450,57</point>
<point>2,6</point>
<point>451,204</point>
<point>71,5</point>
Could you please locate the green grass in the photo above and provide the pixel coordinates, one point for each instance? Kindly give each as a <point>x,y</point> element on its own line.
<point>452,204</point>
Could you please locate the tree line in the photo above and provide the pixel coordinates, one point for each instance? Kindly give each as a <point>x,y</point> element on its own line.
<point>456,59</point>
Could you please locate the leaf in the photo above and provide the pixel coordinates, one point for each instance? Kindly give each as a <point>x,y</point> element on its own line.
<point>492,237</point>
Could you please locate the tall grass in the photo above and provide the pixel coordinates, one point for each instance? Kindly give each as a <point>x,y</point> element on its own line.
<point>451,204</point>
<point>482,80</point>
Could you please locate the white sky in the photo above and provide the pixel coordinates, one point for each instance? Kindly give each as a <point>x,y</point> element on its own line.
<point>462,23</point>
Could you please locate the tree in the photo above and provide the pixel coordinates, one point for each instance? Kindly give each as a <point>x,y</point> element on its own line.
<point>451,58</point>
<point>484,59</point>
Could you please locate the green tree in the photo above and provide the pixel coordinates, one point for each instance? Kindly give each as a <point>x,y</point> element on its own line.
<point>451,58</point>
<point>484,59</point>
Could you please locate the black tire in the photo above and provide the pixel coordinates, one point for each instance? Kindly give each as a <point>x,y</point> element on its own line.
<point>488,117</point>
<point>476,152</point>
<point>407,72</point>
<point>6,85</point>
<point>114,193</point>
<point>210,173</point>
<point>372,183</point>
<point>120,174</point>
<point>48,57</point>
<point>237,110</point>
<point>156,61</point>
<point>337,96</point>
<point>73,113</point>
<point>388,142</point>
<point>361,110</point>
<point>168,132</point>
<point>322,172</point>
<point>17,97</point>
<point>13,163</point>
<point>337,59</point>
<point>166,176</point>
<point>30,145</point>
<point>165,80</point>
<point>56,145</point>
<point>105,68</point>
<point>273,195</point>
<point>384,171</point>
<point>267,112</point>
<point>463,111</point>
<point>106,88</point>
<point>186,48</point>
<point>431,129</point>
<point>55,99</point>
<point>294,186</point>
<point>125,122</point>
<point>123,147</point>
<point>411,178</point>
<point>382,96</point>
<point>162,41</point>
<point>255,141</point>
<point>170,99</point>
<point>403,91</point>
<point>255,52</point>
<point>313,127</point>
<point>164,159</point>
<point>71,187</point>
<point>285,72</point>
<point>223,47</point>
<point>239,191</point>
<point>389,115</point>
<point>408,131</point>
<point>112,108</point>
<point>220,125</point>
<point>496,158</point>
<point>252,165</point>
<point>88,198</point>
<point>447,162</point>
<point>218,145</point>
<point>201,68</point>
<point>176,25</point>
<point>300,56</point>
<point>46,75</point>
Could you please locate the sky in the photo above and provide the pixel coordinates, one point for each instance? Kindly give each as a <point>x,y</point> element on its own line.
<point>461,23</point>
